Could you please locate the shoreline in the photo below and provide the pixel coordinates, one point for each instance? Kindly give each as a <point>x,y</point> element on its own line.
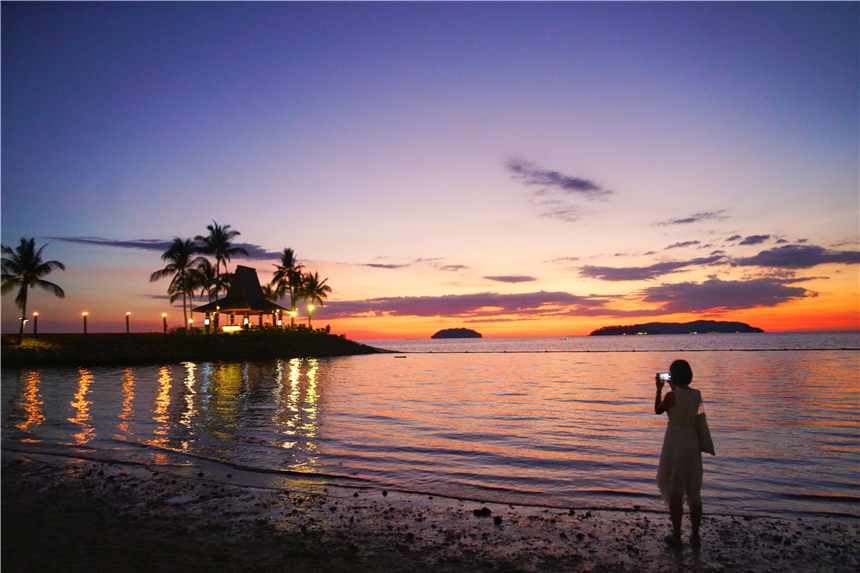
<point>111,349</point>
<point>69,514</point>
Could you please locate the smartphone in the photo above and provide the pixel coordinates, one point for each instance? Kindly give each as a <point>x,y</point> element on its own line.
<point>664,376</point>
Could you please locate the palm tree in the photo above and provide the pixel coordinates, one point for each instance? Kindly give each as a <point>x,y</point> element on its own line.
<point>209,281</point>
<point>183,266</point>
<point>218,243</point>
<point>313,290</point>
<point>271,293</point>
<point>288,278</point>
<point>23,270</point>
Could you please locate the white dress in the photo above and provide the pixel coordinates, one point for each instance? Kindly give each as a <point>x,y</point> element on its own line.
<point>680,472</point>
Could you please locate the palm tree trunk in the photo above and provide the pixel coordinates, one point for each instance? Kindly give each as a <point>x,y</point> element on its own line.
<point>23,315</point>
<point>184,312</point>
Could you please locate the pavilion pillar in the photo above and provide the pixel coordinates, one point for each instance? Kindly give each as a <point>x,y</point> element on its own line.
<point>206,322</point>
<point>261,320</point>
<point>245,321</point>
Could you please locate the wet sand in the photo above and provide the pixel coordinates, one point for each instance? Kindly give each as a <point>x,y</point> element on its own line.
<point>70,514</point>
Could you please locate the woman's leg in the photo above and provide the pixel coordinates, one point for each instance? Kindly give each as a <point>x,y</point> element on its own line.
<point>696,518</point>
<point>676,513</point>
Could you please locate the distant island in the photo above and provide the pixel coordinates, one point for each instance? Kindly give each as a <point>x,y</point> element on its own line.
<point>457,333</point>
<point>695,327</point>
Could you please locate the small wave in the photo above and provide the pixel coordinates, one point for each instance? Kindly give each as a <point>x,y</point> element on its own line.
<point>118,456</point>
<point>821,497</point>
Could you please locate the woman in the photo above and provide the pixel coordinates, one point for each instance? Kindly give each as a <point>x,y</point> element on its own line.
<point>680,472</point>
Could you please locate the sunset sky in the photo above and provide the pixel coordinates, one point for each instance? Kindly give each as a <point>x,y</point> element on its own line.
<point>521,169</point>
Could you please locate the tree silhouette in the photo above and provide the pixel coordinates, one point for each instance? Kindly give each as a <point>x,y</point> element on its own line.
<point>218,243</point>
<point>183,267</point>
<point>288,279</point>
<point>314,290</point>
<point>23,270</point>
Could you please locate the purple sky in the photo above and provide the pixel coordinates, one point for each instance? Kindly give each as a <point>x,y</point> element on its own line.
<point>516,161</point>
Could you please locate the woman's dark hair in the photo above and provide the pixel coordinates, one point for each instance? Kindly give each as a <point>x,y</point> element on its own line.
<point>681,373</point>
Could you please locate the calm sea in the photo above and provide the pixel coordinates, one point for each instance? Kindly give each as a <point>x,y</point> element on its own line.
<point>564,422</point>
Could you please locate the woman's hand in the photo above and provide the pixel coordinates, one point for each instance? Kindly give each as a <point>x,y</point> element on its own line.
<point>662,404</point>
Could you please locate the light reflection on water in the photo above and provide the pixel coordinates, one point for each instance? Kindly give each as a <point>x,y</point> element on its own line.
<point>30,403</point>
<point>561,429</point>
<point>81,406</point>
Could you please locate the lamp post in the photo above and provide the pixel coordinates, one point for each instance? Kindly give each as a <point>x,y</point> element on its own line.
<point>35,323</point>
<point>85,321</point>
<point>188,330</point>
<point>310,310</point>
<point>164,321</point>
<point>127,315</point>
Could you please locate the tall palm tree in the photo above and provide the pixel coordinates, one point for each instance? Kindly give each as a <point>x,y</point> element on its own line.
<point>218,243</point>
<point>314,290</point>
<point>23,270</point>
<point>209,282</point>
<point>183,267</point>
<point>288,279</point>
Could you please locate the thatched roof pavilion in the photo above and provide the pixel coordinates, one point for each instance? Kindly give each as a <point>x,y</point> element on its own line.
<point>244,297</point>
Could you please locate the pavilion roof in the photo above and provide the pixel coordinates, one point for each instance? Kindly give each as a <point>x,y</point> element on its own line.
<point>243,295</point>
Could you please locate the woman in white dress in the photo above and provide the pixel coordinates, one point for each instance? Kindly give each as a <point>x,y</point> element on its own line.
<point>680,472</point>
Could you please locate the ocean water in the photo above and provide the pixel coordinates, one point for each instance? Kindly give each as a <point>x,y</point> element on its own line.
<point>553,422</point>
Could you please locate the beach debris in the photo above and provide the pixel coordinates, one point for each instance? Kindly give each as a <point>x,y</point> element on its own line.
<point>497,519</point>
<point>483,512</point>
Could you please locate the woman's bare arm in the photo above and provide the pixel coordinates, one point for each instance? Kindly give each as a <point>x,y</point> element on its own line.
<point>662,404</point>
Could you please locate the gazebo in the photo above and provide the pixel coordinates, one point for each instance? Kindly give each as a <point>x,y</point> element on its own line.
<point>244,297</point>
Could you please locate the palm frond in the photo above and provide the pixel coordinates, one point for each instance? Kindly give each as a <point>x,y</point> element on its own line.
<point>51,288</point>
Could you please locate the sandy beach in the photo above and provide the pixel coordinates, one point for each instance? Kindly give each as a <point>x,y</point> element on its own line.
<point>62,513</point>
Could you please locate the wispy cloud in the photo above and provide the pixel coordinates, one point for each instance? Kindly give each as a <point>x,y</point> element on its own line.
<point>711,296</point>
<point>754,240</point>
<point>512,279</point>
<point>385,266</point>
<point>799,257</point>
<point>681,245</point>
<point>488,304</point>
<point>645,273</point>
<point>568,214</point>
<point>696,218</point>
<point>554,181</point>
<point>715,295</point>
<point>452,268</point>
<point>255,252</point>
<point>144,244</point>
